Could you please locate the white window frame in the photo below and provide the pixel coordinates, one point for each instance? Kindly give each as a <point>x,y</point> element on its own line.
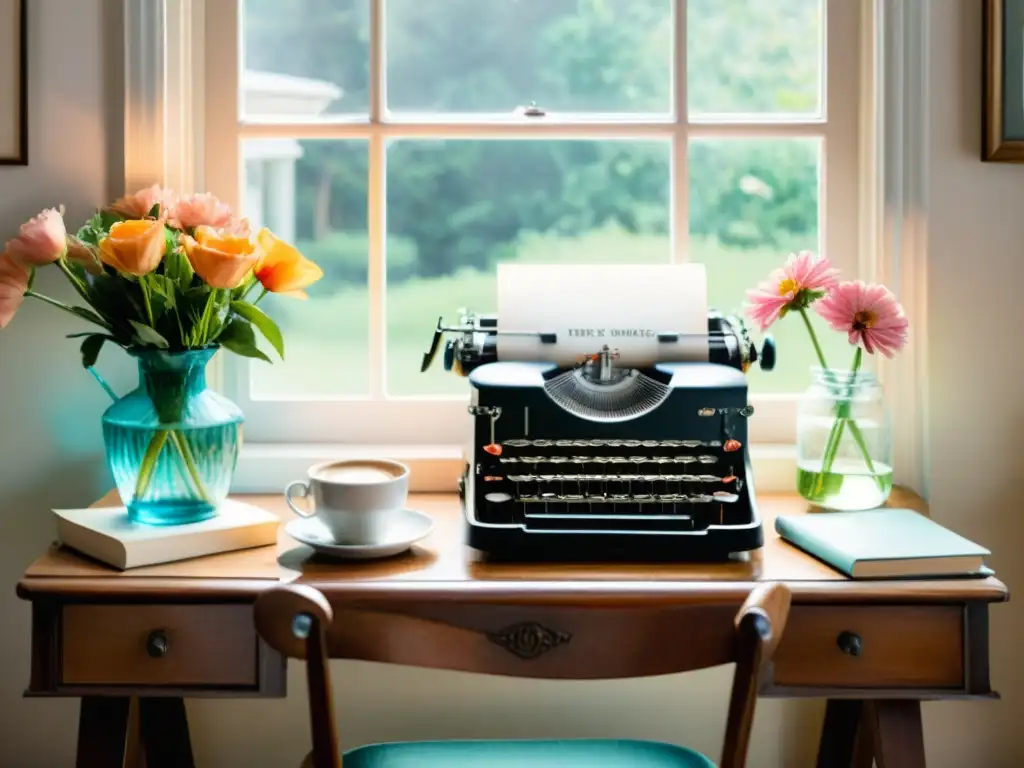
<point>179,132</point>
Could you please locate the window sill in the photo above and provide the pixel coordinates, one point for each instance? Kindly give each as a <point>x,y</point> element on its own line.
<point>269,467</point>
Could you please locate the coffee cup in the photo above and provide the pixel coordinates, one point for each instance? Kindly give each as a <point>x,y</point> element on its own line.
<point>353,498</point>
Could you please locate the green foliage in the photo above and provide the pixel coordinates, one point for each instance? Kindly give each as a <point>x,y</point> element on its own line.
<point>171,308</point>
<point>238,336</point>
<point>465,204</point>
<point>262,322</point>
<point>97,227</point>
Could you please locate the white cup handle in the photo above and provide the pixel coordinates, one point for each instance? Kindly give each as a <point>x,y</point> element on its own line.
<point>294,486</point>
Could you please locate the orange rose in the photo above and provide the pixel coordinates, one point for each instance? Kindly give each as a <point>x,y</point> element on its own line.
<point>135,247</point>
<point>221,259</point>
<point>281,268</point>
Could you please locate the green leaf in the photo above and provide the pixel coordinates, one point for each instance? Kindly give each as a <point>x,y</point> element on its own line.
<point>262,322</point>
<point>88,314</point>
<point>148,336</point>
<point>91,348</point>
<point>238,336</point>
<point>154,212</point>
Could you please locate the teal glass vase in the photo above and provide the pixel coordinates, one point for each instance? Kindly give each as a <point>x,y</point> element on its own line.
<point>172,443</point>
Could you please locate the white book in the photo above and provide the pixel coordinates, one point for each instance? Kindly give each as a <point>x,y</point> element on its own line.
<point>106,534</point>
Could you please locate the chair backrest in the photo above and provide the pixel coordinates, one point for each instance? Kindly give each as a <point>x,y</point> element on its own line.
<point>584,642</point>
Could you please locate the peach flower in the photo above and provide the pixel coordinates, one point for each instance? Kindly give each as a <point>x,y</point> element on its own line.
<point>869,314</point>
<point>220,258</point>
<point>13,283</point>
<point>139,204</point>
<point>134,247</point>
<point>84,254</point>
<point>41,239</point>
<point>281,268</point>
<point>802,280</point>
<point>204,209</point>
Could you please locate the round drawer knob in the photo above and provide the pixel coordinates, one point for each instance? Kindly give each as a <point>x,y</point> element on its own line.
<point>850,643</point>
<point>156,644</point>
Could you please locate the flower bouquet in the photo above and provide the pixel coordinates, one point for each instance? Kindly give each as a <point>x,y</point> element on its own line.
<point>843,433</point>
<point>170,280</point>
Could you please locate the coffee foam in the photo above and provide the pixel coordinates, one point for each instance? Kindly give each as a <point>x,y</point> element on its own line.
<point>358,473</point>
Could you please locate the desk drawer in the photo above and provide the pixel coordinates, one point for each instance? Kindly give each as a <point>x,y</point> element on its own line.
<point>169,645</point>
<point>885,647</point>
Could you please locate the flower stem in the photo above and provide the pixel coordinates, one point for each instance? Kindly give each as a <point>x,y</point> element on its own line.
<point>814,338</point>
<point>190,464</point>
<point>146,300</point>
<point>148,464</point>
<point>73,279</point>
<point>260,297</point>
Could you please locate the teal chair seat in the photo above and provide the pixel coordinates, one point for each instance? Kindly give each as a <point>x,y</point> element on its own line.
<point>561,753</point>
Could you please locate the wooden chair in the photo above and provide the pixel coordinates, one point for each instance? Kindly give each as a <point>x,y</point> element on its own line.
<point>298,621</point>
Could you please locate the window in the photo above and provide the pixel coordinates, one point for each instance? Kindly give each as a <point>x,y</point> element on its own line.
<point>408,146</point>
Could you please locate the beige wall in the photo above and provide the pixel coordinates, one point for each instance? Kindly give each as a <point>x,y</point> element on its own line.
<point>976,274</point>
<point>51,452</point>
<point>50,442</point>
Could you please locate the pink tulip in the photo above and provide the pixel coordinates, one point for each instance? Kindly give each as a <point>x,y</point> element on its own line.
<point>13,284</point>
<point>795,285</point>
<point>139,204</point>
<point>869,314</point>
<point>41,240</point>
<point>200,210</point>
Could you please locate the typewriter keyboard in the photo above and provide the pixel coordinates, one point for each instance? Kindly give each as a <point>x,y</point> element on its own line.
<point>689,480</point>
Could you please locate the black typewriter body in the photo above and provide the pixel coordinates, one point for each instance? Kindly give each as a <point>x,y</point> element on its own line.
<point>671,483</point>
<point>599,462</point>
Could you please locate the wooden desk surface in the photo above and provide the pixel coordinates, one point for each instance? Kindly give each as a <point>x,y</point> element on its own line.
<point>441,567</point>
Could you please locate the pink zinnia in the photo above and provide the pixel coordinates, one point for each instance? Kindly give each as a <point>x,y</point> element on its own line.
<point>14,278</point>
<point>803,279</point>
<point>870,315</point>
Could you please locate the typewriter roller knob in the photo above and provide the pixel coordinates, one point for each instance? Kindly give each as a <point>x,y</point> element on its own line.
<point>768,354</point>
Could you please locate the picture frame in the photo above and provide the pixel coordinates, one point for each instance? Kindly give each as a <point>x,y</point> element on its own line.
<point>13,82</point>
<point>1003,69</point>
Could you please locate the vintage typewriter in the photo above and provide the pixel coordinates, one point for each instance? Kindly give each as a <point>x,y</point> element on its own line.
<point>602,461</point>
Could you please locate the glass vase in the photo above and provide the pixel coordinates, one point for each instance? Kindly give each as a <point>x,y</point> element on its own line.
<point>844,441</point>
<point>172,443</point>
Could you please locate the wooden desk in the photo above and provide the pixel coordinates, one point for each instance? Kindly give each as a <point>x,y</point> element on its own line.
<point>154,635</point>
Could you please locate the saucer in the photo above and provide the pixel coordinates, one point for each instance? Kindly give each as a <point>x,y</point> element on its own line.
<point>406,527</point>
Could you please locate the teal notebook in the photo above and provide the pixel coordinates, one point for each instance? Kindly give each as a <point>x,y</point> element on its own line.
<point>883,543</point>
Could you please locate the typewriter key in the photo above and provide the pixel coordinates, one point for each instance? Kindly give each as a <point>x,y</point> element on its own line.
<point>493,448</point>
<point>732,445</point>
<point>497,498</point>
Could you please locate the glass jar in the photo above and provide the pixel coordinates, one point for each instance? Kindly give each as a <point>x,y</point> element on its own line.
<point>172,444</point>
<point>844,441</point>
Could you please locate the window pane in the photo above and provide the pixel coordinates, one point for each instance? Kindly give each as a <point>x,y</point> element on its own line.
<point>753,202</point>
<point>456,208</point>
<point>304,60</point>
<point>754,56</point>
<point>497,55</point>
<point>313,194</point>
